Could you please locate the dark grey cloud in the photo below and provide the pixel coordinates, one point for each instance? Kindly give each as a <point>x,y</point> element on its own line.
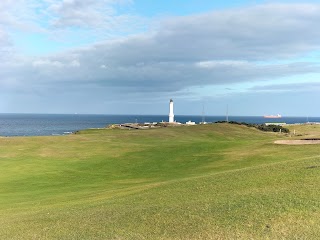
<point>93,67</point>
<point>256,33</point>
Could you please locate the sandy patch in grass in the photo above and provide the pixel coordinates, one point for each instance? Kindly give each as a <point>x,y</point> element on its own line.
<point>297,142</point>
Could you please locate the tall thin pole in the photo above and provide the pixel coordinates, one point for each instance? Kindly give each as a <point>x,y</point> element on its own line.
<point>203,113</point>
<point>227,113</point>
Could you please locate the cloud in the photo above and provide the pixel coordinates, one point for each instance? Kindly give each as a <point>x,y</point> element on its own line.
<point>255,33</point>
<point>21,15</point>
<point>289,87</point>
<point>216,48</point>
<point>107,66</point>
<point>73,21</point>
<point>223,63</point>
<point>80,13</point>
<point>40,63</point>
<point>6,47</point>
<point>4,39</point>
<point>88,20</point>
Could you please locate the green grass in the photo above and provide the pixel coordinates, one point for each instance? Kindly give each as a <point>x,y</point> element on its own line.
<point>199,182</point>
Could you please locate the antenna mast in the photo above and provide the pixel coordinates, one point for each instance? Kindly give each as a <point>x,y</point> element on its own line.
<point>227,113</point>
<point>203,118</point>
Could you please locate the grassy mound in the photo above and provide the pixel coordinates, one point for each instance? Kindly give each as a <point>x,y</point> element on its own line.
<point>216,181</point>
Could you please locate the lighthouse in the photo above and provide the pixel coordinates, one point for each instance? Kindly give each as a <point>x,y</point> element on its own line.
<point>171,115</point>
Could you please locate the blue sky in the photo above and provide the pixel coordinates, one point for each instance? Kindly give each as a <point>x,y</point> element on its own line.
<point>180,7</point>
<point>132,56</point>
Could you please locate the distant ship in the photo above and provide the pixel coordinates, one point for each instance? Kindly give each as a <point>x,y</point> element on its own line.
<point>272,116</point>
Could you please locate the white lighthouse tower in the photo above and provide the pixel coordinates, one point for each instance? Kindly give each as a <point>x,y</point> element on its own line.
<point>171,115</point>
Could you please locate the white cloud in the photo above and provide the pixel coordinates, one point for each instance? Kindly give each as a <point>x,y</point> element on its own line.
<point>69,21</point>
<point>223,63</point>
<point>4,39</point>
<point>23,15</point>
<point>75,63</point>
<point>91,18</point>
<point>80,13</point>
<point>47,62</point>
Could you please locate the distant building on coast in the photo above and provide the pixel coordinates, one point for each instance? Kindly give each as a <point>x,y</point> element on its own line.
<point>190,123</point>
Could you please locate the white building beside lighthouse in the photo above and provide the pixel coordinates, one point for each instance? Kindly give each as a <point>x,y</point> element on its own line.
<point>171,115</point>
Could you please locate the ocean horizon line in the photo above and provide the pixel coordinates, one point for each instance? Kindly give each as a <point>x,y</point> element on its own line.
<point>139,114</point>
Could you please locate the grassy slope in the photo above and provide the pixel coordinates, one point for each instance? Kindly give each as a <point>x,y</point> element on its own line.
<point>219,181</point>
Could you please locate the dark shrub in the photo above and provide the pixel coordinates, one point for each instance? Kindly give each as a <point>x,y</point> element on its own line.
<point>262,127</point>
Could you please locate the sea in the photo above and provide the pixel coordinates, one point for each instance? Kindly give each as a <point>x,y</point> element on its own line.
<point>62,124</point>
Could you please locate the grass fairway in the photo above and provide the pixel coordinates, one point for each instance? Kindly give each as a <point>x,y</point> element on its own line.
<point>216,181</point>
